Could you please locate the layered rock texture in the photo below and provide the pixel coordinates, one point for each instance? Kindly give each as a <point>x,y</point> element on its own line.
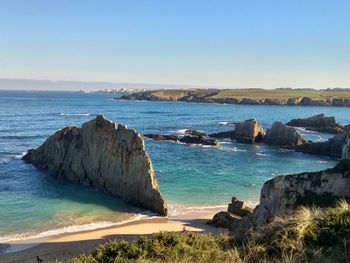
<point>319,123</point>
<point>105,156</point>
<point>283,194</point>
<point>249,131</point>
<point>334,147</point>
<point>283,135</point>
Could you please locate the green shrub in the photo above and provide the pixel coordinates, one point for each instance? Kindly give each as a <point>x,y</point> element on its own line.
<point>312,235</point>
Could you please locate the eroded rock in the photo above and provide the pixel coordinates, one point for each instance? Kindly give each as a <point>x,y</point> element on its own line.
<point>283,135</point>
<point>319,123</point>
<point>282,195</point>
<point>333,147</point>
<point>105,156</point>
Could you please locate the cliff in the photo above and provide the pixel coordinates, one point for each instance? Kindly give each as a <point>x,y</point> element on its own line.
<point>105,156</point>
<point>284,194</point>
<point>289,97</point>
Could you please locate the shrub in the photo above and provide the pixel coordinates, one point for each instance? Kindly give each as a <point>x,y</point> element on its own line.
<point>312,235</point>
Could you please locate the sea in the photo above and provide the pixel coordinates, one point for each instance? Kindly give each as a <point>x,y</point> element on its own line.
<point>34,204</point>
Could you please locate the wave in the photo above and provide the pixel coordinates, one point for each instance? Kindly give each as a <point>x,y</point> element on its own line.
<point>7,158</point>
<point>181,131</point>
<point>230,149</point>
<point>176,210</point>
<point>74,114</point>
<point>262,154</point>
<point>227,123</point>
<point>70,229</point>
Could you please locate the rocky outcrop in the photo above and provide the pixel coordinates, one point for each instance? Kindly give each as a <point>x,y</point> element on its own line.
<point>210,96</point>
<point>333,147</point>
<point>284,194</point>
<point>235,215</point>
<point>188,139</point>
<point>223,219</point>
<point>249,131</point>
<point>195,133</point>
<point>319,123</point>
<point>105,156</point>
<point>236,208</point>
<point>283,135</point>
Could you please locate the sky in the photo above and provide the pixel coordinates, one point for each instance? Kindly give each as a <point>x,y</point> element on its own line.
<point>236,44</point>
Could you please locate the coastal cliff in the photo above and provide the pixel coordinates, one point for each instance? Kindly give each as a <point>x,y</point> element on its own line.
<point>284,194</point>
<point>105,156</point>
<point>288,97</point>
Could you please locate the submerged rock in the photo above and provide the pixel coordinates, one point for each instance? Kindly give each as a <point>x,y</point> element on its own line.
<point>195,133</point>
<point>103,155</point>
<point>189,139</point>
<point>334,147</point>
<point>283,135</point>
<point>319,123</point>
<point>284,194</point>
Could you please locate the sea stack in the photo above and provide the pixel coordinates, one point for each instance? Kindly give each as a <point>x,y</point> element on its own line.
<point>103,155</point>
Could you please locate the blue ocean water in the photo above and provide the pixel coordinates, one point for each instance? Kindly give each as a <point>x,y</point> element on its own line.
<point>32,202</point>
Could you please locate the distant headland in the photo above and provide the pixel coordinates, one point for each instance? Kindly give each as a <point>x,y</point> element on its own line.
<point>282,96</point>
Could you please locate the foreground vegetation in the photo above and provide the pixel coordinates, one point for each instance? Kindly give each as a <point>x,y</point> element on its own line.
<point>312,235</point>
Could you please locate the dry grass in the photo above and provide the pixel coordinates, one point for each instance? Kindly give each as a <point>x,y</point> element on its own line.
<point>312,235</point>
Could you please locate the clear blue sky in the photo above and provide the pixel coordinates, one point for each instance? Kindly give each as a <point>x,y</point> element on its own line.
<point>266,44</point>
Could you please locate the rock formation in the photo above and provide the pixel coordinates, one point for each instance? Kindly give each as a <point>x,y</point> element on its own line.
<point>319,123</point>
<point>283,194</point>
<point>233,216</point>
<point>333,147</point>
<point>105,156</point>
<point>236,208</point>
<point>283,135</point>
<point>189,139</point>
<point>249,131</point>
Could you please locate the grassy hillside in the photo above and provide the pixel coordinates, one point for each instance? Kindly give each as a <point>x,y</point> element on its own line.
<point>256,93</point>
<point>281,94</point>
<point>313,235</point>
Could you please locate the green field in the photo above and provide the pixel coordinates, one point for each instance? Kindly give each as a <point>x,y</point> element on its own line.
<point>281,94</point>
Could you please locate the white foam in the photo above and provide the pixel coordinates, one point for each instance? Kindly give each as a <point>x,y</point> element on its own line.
<point>19,156</point>
<point>262,154</point>
<point>74,114</point>
<point>181,131</point>
<point>176,210</point>
<point>223,122</point>
<point>70,229</point>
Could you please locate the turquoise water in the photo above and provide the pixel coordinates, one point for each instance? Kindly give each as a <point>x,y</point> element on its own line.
<point>32,202</point>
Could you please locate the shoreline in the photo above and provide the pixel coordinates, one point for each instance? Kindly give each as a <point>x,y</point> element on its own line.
<point>68,245</point>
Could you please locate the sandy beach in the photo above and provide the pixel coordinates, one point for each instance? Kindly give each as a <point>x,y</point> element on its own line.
<point>66,246</point>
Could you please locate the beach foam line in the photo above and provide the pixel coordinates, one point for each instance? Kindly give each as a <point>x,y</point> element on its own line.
<point>73,114</point>
<point>71,229</point>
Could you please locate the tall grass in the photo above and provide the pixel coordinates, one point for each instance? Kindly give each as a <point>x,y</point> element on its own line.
<point>312,235</point>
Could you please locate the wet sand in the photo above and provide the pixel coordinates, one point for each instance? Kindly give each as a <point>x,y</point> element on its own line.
<point>66,246</point>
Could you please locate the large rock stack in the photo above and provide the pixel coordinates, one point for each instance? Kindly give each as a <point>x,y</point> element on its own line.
<point>103,155</point>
